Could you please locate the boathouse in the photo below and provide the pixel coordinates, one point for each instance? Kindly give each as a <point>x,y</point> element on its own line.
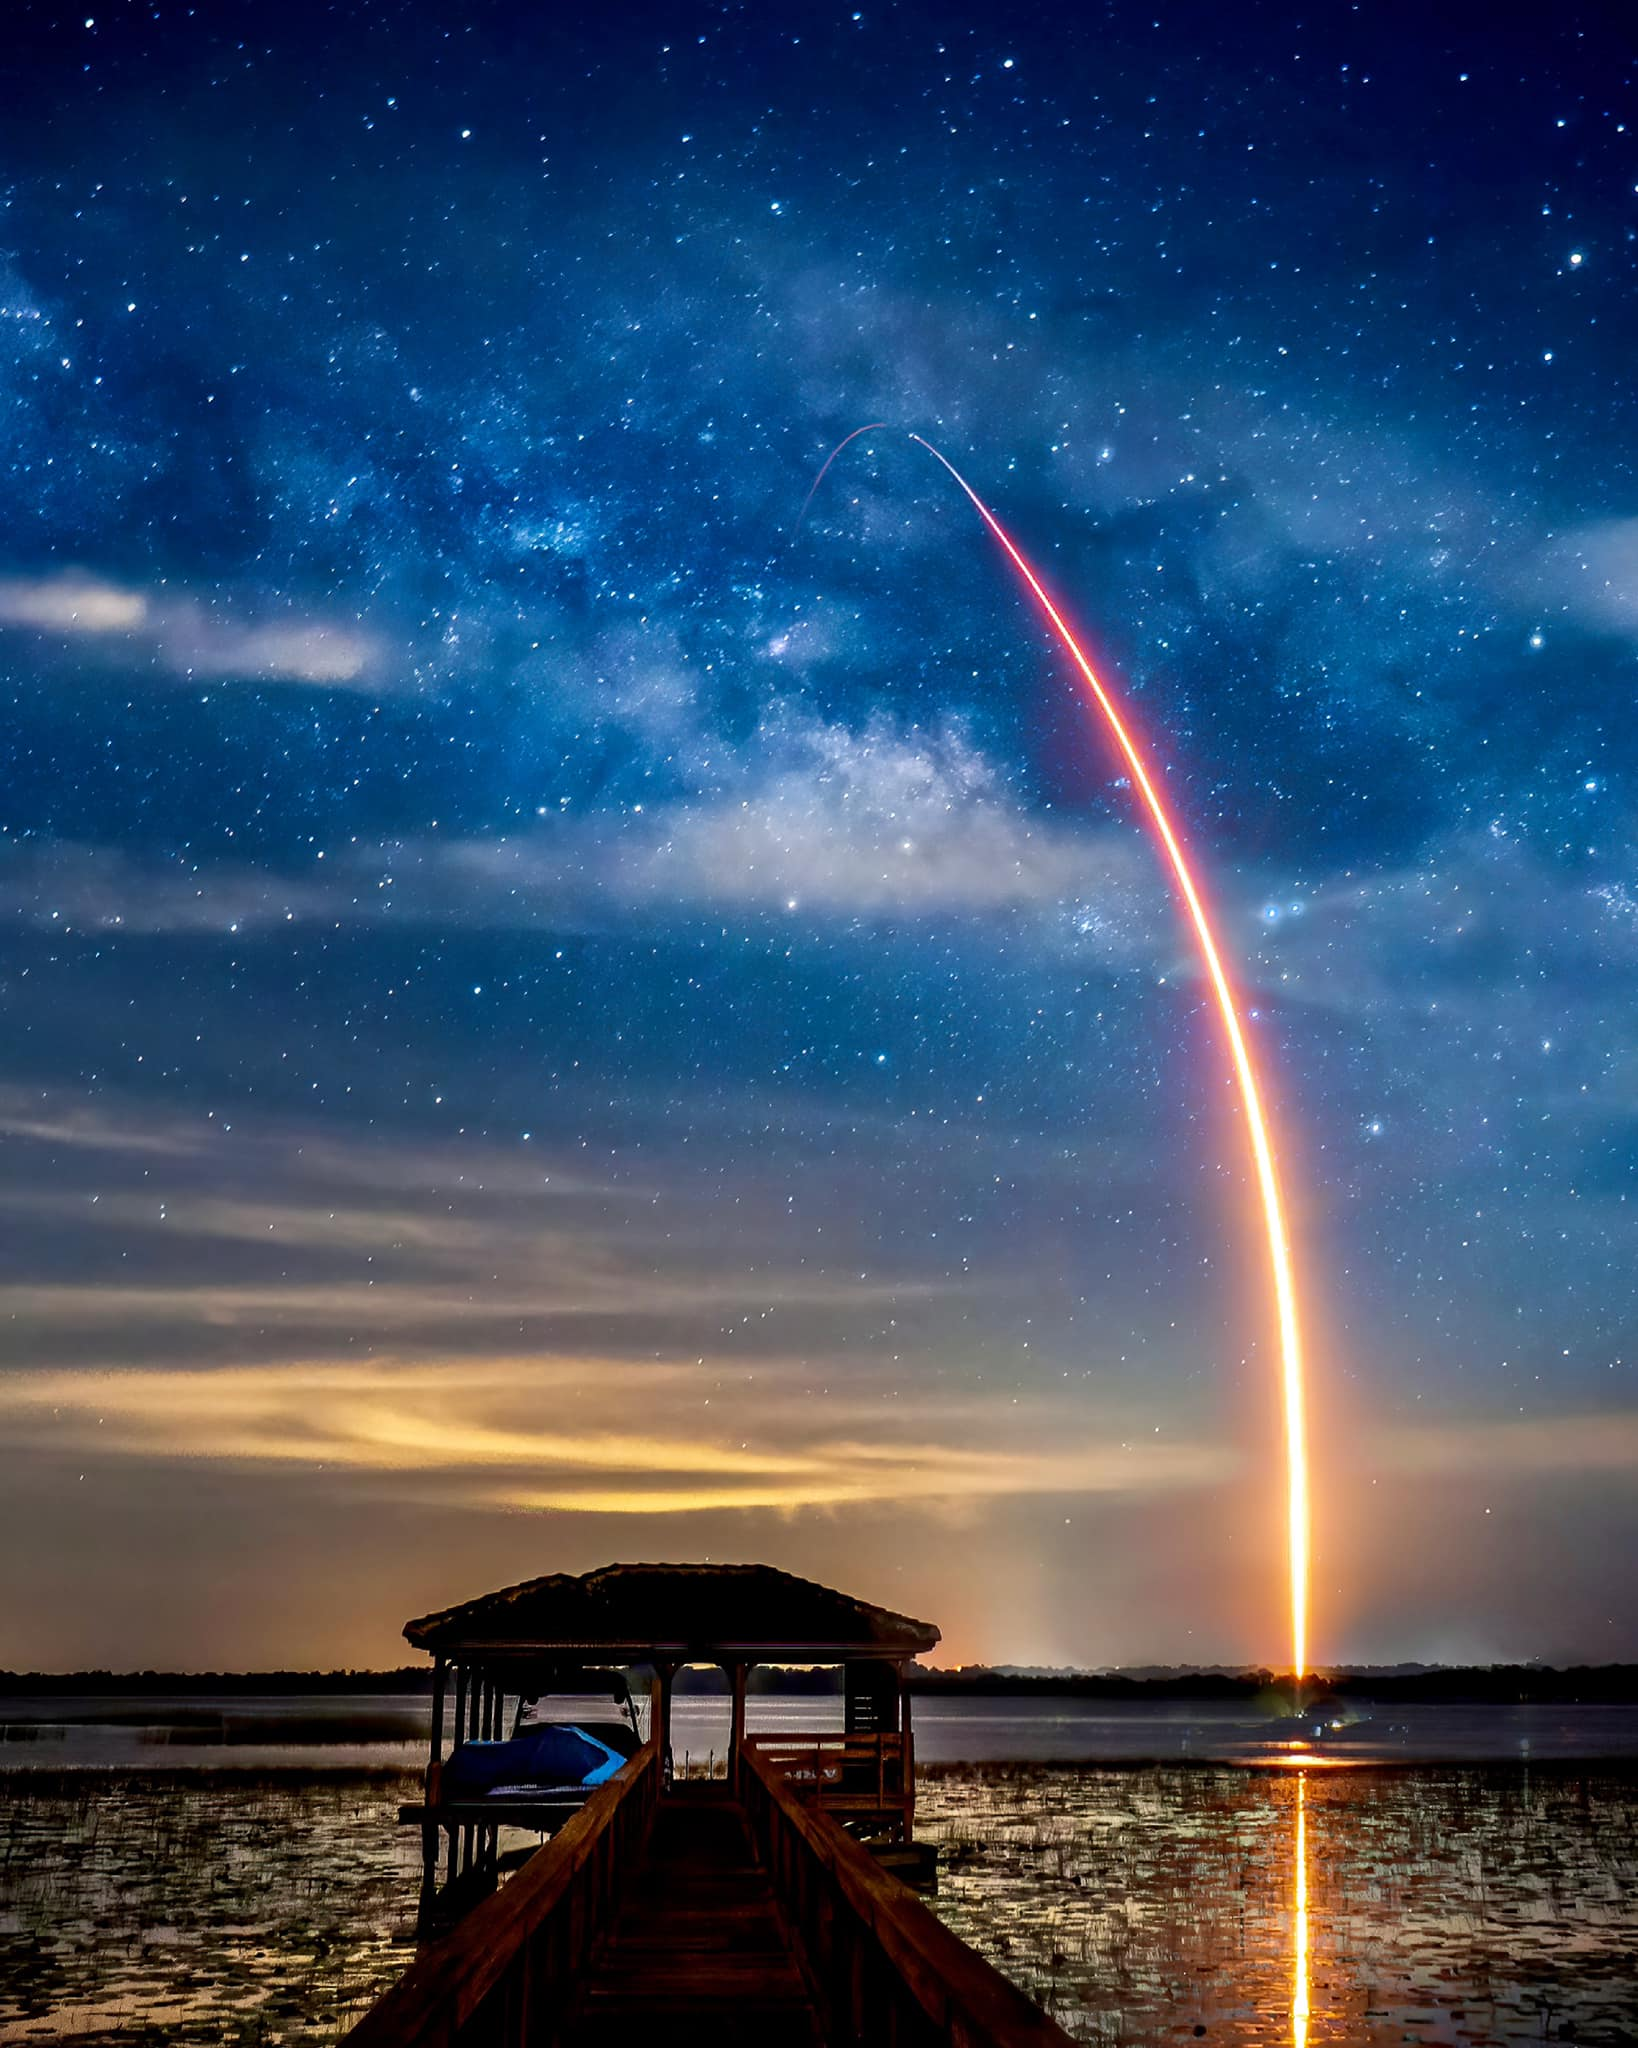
<point>708,1912</point>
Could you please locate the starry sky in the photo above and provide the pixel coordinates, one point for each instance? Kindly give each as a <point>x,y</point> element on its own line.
<point>547,1017</point>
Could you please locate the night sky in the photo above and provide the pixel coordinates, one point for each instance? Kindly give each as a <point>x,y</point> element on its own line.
<point>544,1019</point>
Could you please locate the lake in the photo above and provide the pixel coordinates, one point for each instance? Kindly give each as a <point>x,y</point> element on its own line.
<point>389,1731</point>
<point>233,1873</point>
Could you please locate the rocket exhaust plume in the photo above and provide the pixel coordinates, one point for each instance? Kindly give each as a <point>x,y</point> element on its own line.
<point>1258,1128</point>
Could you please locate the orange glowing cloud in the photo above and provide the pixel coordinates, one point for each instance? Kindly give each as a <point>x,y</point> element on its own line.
<point>530,1434</point>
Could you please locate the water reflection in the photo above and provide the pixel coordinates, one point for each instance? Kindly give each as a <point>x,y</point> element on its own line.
<point>1299,1920</point>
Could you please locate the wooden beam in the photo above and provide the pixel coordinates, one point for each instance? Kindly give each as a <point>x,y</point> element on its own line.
<point>736,1726</point>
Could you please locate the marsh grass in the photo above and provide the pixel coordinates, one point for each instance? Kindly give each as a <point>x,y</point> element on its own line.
<point>222,1906</point>
<point>1473,1906</point>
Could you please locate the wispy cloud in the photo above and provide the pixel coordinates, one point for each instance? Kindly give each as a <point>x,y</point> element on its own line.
<point>594,1434</point>
<point>877,823</point>
<point>150,1239</point>
<point>566,1435</point>
<point>1590,575</point>
<point>71,604</point>
<point>835,825</point>
<point>1504,1448</point>
<point>180,636</point>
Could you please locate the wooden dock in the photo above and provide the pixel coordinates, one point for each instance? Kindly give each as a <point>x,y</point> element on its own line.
<point>751,1911</point>
<point>703,1914</point>
<point>697,1937</point>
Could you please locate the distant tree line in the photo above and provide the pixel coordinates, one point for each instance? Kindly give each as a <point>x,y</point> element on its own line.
<point>1495,1684</point>
<point>1491,1684</point>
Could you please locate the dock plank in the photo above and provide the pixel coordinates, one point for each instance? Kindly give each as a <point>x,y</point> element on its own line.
<point>698,1946</point>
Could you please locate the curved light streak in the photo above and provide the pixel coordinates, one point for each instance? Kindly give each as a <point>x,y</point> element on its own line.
<point>871,427</point>
<point>1257,1122</point>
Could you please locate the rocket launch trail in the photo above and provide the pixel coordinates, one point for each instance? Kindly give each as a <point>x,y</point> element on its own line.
<point>1258,1125</point>
<point>1251,1094</point>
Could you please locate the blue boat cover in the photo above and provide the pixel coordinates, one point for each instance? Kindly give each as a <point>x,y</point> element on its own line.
<point>556,1756</point>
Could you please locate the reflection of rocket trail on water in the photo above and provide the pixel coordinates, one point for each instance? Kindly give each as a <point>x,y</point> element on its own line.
<point>1257,1124</point>
<point>1299,1922</point>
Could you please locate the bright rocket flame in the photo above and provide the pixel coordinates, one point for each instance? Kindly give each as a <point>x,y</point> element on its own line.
<point>1299,1922</point>
<point>1257,1124</point>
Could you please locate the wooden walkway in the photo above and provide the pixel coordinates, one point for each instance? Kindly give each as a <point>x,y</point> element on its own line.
<point>698,1950</point>
<point>697,1918</point>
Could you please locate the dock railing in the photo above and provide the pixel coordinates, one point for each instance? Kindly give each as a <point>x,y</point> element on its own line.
<point>882,1965</point>
<point>862,1775</point>
<point>508,1968</point>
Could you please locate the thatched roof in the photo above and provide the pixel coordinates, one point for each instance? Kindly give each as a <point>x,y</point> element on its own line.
<point>631,1613</point>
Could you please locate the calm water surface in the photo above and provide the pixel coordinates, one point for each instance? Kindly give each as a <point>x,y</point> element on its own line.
<point>334,1731</point>
<point>154,1889</point>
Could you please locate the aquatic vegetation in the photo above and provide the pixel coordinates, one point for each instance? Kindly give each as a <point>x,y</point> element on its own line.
<point>195,1906</point>
<point>1472,1905</point>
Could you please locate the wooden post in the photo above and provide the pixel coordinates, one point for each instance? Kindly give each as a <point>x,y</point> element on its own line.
<point>439,1672</point>
<point>469,1834</point>
<point>457,1836</point>
<point>907,1758</point>
<point>662,1719</point>
<point>431,1791</point>
<point>736,1726</point>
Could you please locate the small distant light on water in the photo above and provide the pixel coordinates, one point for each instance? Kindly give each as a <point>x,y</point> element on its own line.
<point>1576,259</point>
<point>1006,63</point>
<point>1538,640</point>
<point>466,134</point>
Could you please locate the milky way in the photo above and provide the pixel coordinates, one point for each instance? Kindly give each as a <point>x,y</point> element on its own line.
<point>544,1017</point>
